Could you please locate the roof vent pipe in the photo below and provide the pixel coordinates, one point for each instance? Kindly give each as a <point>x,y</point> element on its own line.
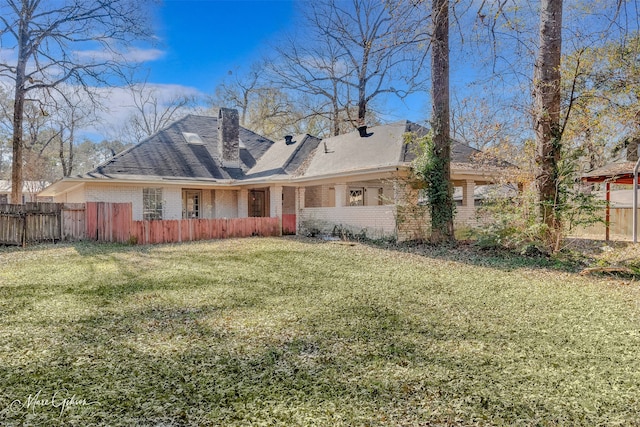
<point>363,131</point>
<point>288,139</point>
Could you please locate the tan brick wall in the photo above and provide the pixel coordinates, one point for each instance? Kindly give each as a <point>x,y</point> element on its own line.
<point>289,201</point>
<point>313,197</point>
<point>75,196</point>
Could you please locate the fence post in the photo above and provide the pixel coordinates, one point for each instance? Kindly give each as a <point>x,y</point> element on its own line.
<point>23,237</point>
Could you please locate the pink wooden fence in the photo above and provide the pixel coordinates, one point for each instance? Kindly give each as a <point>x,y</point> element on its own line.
<point>186,230</point>
<point>108,222</point>
<point>112,222</point>
<point>288,224</point>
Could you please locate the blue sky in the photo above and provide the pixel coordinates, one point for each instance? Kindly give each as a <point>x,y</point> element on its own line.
<point>205,39</point>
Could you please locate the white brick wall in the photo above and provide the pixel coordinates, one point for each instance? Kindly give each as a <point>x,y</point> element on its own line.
<point>171,202</point>
<point>75,196</point>
<point>207,204</point>
<point>117,194</point>
<point>377,221</point>
<point>214,204</point>
<point>226,203</point>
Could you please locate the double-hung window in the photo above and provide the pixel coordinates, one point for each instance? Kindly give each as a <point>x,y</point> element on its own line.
<point>151,203</point>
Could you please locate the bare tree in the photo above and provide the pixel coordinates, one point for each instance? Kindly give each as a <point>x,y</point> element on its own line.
<point>352,53</point>
<point>69,118</point>
<point>263,107</point>
<point>239,91</point>
<point>154,109</point>
<point>50,40</point>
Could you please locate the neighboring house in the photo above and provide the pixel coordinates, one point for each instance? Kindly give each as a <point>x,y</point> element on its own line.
<point>30,190</point>
<point>210,167</point>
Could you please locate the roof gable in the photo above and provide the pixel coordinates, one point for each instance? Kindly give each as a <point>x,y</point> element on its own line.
<point>285,157</point>
<point>384,146</point>
<point>168,153</point>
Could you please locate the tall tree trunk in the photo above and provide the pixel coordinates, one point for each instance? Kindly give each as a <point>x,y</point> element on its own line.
<point>18,111</point>
<point>547,116</point>
<point>362,90</point>
<point>336,117</point>
<point>442,210</point>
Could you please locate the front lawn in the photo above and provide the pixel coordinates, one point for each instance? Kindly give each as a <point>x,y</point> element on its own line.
<point>291,332</point>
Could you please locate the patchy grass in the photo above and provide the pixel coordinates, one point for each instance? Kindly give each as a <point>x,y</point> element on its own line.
<point>291,332</point>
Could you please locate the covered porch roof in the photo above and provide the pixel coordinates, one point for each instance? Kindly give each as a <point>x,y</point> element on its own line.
<point>620,172</point>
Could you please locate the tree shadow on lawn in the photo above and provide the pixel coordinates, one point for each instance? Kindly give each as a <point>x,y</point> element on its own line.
<point>350,364</point>
<point>198,375</point>
<point>501,259</point>
<point>215,379</point>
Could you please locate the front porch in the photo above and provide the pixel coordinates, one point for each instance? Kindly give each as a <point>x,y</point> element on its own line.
<point>376,208</point>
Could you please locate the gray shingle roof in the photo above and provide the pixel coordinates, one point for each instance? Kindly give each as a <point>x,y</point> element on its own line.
<point>383,147</point>
<point>167,153</point>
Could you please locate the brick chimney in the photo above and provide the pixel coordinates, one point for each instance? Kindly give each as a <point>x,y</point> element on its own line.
<point>229,137</point>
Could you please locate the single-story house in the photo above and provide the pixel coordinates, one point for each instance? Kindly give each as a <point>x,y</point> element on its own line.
<point>30,190</point>
<point>210,167</point>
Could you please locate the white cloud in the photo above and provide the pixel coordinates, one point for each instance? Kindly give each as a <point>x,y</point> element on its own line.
<point>132,55</point>
<point>118,105</point>
<point>8,56</point>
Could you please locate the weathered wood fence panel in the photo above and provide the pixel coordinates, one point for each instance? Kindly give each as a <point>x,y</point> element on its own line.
<point>11,225</point>
<point>108,222</point>
<point>73,222</point>
<point>186,230</point>
<point>40,222</point>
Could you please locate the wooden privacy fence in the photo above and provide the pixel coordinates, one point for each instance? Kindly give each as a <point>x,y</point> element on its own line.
<point>109,222</point>
<point>187,230</point>
<point>41,222</point>
<point>289,224</point>
<point>620,225</point>
<point>112,222</point>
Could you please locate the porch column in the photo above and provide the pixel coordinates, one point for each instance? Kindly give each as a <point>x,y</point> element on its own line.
<point>341,195</point>
<point>243,203</point>
<point>468,188</point>
<point>300,195</point>
<point>300,199</point>
<point>275,201</point>
<point>275,204</point>
<point>607,214</point>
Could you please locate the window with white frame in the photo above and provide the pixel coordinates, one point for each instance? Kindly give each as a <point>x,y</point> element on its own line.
<point>151,203</point>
